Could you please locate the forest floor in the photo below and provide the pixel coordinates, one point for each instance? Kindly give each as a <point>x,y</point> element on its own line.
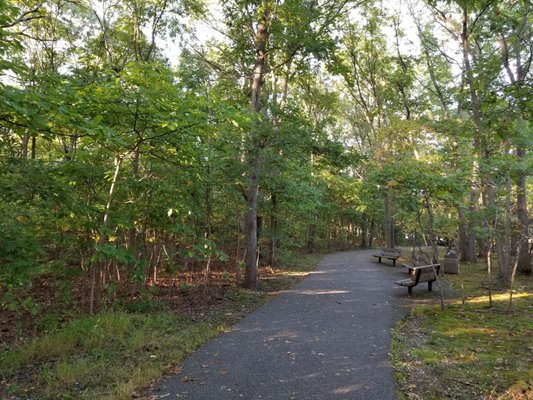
<point>472,349</point>
<point>114,354</point>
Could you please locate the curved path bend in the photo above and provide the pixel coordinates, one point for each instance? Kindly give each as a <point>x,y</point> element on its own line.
<point>327,338</point>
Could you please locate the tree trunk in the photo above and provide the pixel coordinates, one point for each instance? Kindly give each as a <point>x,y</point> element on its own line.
<point>476,113</point>
<point>503,235</point>
<point>364,232</point>
<point>311,238</point>
<point>517,78</point>
<point>371,236</point>
<point>98,266</point>
<point>208,218</point>
<point>389,221</point>
<point>24,147</point>
<point>132,239</point>
<point>273,244</point>
<point>471,254</point>
<point>463,238</point>
<point>253,155</point>
<point>524,260</point>
<point>33,147</point>
<point>431,233</point>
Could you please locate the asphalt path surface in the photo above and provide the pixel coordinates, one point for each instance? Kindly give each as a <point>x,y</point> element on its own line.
<point>327,338</point>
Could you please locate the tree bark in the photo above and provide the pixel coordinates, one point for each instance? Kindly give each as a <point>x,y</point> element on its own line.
<point>33,147</point>
<point>524,258</point>
<point>273,241</point>
<point>273,244</point>
<point>98,266</point>
<point>253,155</point>
<point>364,232</point>
<point>389,221</point>
<point>311,234</point>
<point>371,236</point>
<point>476,113</point>
<point>463,238</point>
<point>503,235</point>
<point>431,233</point>
<point>208,220</point>
<point>517,79</point>
<point>24,146</point>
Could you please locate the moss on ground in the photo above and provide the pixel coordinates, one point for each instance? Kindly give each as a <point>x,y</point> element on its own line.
<point>470,350</point>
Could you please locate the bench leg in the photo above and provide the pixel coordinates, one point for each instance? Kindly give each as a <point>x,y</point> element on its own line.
<point>429,286</point>
<point>394,262</point>
<point>409,290</point>
<point>379,260</point>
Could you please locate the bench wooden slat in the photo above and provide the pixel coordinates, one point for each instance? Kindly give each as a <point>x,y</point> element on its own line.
<point>405,282</point>
<point>390,254</point>
<point>423,273</point>
<point>426,275</point>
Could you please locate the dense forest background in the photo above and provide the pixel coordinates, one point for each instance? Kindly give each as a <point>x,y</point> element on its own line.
<point>162,139</point>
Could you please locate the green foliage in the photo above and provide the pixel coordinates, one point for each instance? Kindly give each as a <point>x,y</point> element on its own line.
<point>123,164</point>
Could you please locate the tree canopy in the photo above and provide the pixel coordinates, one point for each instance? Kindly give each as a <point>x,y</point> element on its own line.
<point>142,138</point>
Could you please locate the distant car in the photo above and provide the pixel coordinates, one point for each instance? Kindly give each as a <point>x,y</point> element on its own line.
<point>442,241</point>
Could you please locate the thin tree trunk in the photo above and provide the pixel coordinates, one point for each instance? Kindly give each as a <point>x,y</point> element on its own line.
<point>471,254</point>
<point>476,112</point>
<point>253,156</point>
<point>364,232</point>
<point>431,233</point>
<point>389,221</point>
<point>513,275</point>
<point>524,258</point>
<point>33,147</point>
<point>132,239</point>
<point>73,147</point>
<point>422,230</point>
<point>463,238</point>
<point>273,244</point>
<point>504,236</point>
<point>371,237</point>
<point>208,215</point>
<point>489,273</point>
<point>311,238</point>
<point>97,267</point>
<point>24,146</point>
<point>430,66</point>
<point>518,78</point>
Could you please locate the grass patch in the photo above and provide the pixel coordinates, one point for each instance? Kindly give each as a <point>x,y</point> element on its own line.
<point>114,354</point>
<point>91,355</point>
<point>468,351</point>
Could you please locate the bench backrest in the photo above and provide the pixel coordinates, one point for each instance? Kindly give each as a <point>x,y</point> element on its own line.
<point>421,259</point>
<point>392,252</point>
<point>424,273</point>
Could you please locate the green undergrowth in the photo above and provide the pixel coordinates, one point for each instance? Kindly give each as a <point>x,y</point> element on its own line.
<point>116,353</point>
<point>470,350</point>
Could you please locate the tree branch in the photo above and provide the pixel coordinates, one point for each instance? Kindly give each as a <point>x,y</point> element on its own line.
<point>24,17</point>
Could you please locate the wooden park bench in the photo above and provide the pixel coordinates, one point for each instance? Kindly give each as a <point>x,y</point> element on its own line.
<point>391,254</point>
<point>423,273</point>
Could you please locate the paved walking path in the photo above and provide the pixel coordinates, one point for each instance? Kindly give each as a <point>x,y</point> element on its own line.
<point>327,338</point>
